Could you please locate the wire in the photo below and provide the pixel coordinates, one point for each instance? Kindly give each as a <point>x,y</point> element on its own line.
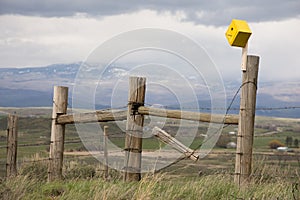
<point>220,128</point>
<point>226,113</point>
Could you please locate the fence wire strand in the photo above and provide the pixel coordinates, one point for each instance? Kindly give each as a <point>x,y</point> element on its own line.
<point>123,135</point>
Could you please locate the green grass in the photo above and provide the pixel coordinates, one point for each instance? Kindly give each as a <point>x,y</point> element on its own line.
<point>37,130</point>
<point>150,187</point>
<point>152,144</point>
<point>261,142</point>
<point>274,182</point>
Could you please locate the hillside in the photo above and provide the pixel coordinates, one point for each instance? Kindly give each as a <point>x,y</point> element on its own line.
<point>32,87</point>
<point>275,174</point>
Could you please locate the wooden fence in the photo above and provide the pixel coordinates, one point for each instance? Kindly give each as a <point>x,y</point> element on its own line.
<point>135,120</point>
<point>134,116</point>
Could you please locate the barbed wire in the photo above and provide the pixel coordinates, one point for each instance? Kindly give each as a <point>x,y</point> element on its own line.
<point>219,129</point>
<point>117,135</point>
<point>36,160</point>
<point>207,139</point>
<point>200,173</point>
<point>178,107</point>
<point>33,144</point>
<point>229,171</point>
<point>236,109</point>
<point>226,113</point>
<point>48,159</point>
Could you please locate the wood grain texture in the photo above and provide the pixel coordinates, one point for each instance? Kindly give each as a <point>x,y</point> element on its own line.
<point>174,143</point>
<point>12,143</point>
<point>60,103</point>
<point>245,135</point>
<point>187,115</point>
<point>134,129</point>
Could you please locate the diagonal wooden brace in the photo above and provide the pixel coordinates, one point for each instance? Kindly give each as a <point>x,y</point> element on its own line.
<point>173,142</point>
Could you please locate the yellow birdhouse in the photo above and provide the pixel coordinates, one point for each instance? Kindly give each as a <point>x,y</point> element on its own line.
<point>238,33</point>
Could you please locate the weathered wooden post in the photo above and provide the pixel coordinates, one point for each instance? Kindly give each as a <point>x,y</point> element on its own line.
<point>60,104</point>
<point>12,137</point>
<point>245,135</point>
<point>105,152</point>
<point>134,129</point>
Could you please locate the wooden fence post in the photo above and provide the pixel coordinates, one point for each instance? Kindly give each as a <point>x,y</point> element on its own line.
<point>245,135</point>
<point>12,137</point>
<point>105,152</point>
<point>60,104</point>
<point>134,129</point>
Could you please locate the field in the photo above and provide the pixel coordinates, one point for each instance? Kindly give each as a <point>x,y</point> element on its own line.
<point>275,174</point>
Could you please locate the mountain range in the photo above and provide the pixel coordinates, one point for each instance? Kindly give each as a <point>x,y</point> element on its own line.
<point>33,87</point>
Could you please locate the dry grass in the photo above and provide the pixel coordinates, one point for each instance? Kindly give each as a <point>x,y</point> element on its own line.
<point>158,186</point>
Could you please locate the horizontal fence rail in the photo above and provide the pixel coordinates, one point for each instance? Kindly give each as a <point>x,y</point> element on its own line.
<point>187,115</point>
<point>98,116</point>
<point>105,116</point>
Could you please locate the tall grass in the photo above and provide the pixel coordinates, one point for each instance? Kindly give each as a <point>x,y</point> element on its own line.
<point>83,181</point>
<point>158,186</point>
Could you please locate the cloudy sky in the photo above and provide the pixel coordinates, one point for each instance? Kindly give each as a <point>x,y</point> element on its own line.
<point>38,33</point>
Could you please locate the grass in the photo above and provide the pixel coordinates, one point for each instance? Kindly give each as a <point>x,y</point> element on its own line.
<point>276,178</point>
<point>150,187</point>
<point>181,181</point>
<point>37,130</point>
<point>262,142</point>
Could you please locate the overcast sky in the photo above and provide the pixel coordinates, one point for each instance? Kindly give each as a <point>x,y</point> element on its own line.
<point>38,33</point>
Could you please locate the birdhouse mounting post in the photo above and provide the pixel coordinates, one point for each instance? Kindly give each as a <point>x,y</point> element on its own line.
<point>238,34</point>
<point>244,57</point>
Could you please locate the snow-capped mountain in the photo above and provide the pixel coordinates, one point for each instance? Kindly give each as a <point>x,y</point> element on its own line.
<point>23,87</point>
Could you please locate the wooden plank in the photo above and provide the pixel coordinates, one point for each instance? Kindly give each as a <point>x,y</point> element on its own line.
<point>134,129</point>
<point>177,145</point>
<point>245,135</point>
<point>60,103</point>
<point>187,115</point>
<point>12,137</point>
<point>98,116</point>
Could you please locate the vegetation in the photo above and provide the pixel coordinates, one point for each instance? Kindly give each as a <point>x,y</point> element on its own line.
<point>223,140</point>
<point>35,170</point>
<point>289,141</point>
<point>275,174</point>
<point>296,143</point>
<point>158,186</point>
<point>181,181</point>
<point>274,144</point>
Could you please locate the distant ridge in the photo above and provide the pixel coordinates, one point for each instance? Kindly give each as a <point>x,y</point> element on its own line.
<point>33,87</point>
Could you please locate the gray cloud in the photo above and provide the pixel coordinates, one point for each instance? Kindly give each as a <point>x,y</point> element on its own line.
<point>215,12</point>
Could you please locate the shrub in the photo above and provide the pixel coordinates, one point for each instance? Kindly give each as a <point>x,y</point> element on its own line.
<point>35,170</point>
<point>296,143</point>
<point>289,141</point>
<point>81,148</point>
<point>223,141</point>
<point>80,171</point>
<point>274,144</point>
